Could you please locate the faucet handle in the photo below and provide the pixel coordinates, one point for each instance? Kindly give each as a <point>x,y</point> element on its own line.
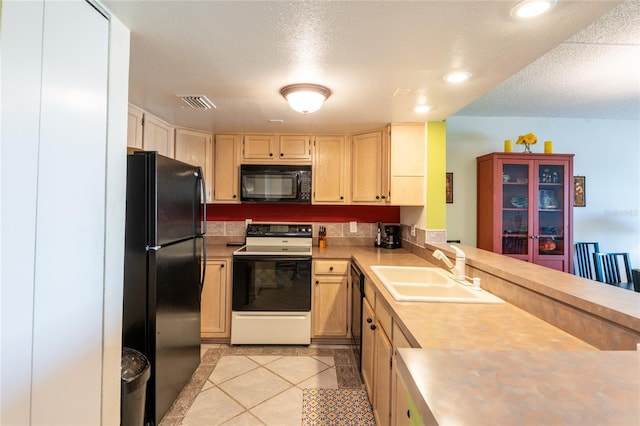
<point>459,253</point>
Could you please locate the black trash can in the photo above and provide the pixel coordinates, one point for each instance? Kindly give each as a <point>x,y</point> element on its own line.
<point>135,371</point>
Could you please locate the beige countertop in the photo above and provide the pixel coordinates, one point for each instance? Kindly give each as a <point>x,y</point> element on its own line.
<point>463,325</point>
<point>523,388</point>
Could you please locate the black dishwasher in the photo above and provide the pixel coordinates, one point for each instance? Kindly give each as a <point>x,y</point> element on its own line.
<point>357,286</point>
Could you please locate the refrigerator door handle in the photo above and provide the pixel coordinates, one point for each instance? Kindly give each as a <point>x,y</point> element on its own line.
<point>154,248</point>
<point>203,193</point>
<point>204,262</point>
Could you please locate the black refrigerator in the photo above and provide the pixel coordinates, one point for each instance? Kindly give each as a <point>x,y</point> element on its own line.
<point>163,272</point>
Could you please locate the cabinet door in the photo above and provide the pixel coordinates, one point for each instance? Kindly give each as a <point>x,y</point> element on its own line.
<point>553,235</point>
<point>330,306</point>
<point>368,347</point>
<point>517,221</point>
<point>329,169</point>
<point>194,147</point>
<point>215,301</point>
<point>400,413</point>
<point>382,378</point>
<point>366,168</point>
<point>295,147</point>
<point>399,393</point>
<point>407,164</point>
<point>134,127</point>
<point>158,136</point>
<point>226,160</point>
<point>259,147</point>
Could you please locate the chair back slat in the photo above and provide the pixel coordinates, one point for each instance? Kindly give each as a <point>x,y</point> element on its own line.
<point>614,268</point>
<point>583,259</point>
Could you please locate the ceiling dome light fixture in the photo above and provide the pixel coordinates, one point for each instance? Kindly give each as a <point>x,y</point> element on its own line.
<point>531,8</point>
<point>305,98</point>
<point>457,76</point>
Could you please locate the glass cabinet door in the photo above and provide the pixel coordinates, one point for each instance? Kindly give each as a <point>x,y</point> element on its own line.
<point>550,212</point>
<point>515,209</point>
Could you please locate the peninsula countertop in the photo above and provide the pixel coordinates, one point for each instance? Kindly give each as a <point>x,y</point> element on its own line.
<point>477,364</point>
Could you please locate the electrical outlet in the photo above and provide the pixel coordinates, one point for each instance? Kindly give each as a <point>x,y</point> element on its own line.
<point>413,230</point>
<point>353,226</point>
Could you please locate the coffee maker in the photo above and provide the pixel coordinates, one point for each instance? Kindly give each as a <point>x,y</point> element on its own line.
<point>388,236</point>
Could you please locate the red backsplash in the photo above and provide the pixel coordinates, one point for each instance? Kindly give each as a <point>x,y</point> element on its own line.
<point>302,213</point>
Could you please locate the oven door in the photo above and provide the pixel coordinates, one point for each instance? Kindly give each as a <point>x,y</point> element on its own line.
<point>271,283</point>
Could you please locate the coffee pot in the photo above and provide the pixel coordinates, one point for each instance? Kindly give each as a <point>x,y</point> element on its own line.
<point>388,236</point>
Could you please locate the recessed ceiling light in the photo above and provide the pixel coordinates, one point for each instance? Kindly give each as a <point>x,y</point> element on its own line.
<point>532,8</point>
<point>457,76</point>
<point>421,109</point>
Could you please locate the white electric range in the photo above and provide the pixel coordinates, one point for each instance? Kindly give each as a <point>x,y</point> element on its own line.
<point>271,296</point>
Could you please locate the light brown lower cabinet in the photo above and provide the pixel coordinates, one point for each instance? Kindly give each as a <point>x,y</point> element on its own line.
<point>330,299</point>
<point>382,377</point>
<point>368,346</point>
<point>215,319</point>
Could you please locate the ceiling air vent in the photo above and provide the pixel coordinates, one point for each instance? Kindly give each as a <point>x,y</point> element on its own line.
<point>197,101</point>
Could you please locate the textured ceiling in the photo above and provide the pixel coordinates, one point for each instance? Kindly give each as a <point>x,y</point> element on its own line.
<point>594,74</point>
<point>240,53</point>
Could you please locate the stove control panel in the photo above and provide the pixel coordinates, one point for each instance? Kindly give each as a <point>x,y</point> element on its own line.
<point>279,230</point>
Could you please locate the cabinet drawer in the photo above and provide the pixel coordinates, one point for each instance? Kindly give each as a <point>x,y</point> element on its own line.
<point>383,316</point>
<point>332,267</point>
<point>369,292</point>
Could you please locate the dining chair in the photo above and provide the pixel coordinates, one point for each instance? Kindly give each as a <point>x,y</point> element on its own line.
<point>583,259</point>
<point>614,268</point>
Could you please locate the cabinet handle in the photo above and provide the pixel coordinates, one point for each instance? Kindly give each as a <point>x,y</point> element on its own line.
<point>377,197</point>
<point>317,282</point>
<point>373,326</point>
<point>235,196</point>
<point>369,320</point>
<point>330,268</point>
<point>409,413</point>
<point>281,155</point>
<point>341,197</point>
<point>383,197</point>
<point>222,265</point>
<point>271,154</point>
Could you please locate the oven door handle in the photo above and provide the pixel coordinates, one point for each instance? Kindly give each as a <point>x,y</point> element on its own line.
<point>269,257</point>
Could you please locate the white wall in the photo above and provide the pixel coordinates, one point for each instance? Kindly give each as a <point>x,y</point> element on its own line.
<point>63,154</point>
<point>607,152</point>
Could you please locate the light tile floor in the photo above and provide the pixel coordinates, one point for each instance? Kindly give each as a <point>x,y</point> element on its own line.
<point>259,385</point>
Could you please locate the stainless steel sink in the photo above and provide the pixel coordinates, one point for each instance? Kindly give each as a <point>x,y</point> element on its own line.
<point>424,284</point>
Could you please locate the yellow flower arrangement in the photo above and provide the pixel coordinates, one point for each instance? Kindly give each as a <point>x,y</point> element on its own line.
<point>527,140</point>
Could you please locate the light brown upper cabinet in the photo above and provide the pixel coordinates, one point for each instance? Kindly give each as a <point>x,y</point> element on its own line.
<point>369,170</point>
<point>195,147</point>
<point>226,163</point>
<point>330,170</point>
<point>273,148</point>
<point>407,158</point>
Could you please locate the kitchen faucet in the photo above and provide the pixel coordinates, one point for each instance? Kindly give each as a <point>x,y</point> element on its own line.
<point>458,270</point>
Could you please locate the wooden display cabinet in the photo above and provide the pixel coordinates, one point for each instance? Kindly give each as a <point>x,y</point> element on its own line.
<point>525,207</point>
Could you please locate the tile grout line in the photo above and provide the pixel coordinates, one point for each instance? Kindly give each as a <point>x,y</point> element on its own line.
<point>186,398</point>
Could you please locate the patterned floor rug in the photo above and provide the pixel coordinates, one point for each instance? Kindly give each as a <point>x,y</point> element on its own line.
<point>336,407</point>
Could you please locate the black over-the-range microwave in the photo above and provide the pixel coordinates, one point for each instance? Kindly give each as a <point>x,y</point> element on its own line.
<point>271,183</point>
